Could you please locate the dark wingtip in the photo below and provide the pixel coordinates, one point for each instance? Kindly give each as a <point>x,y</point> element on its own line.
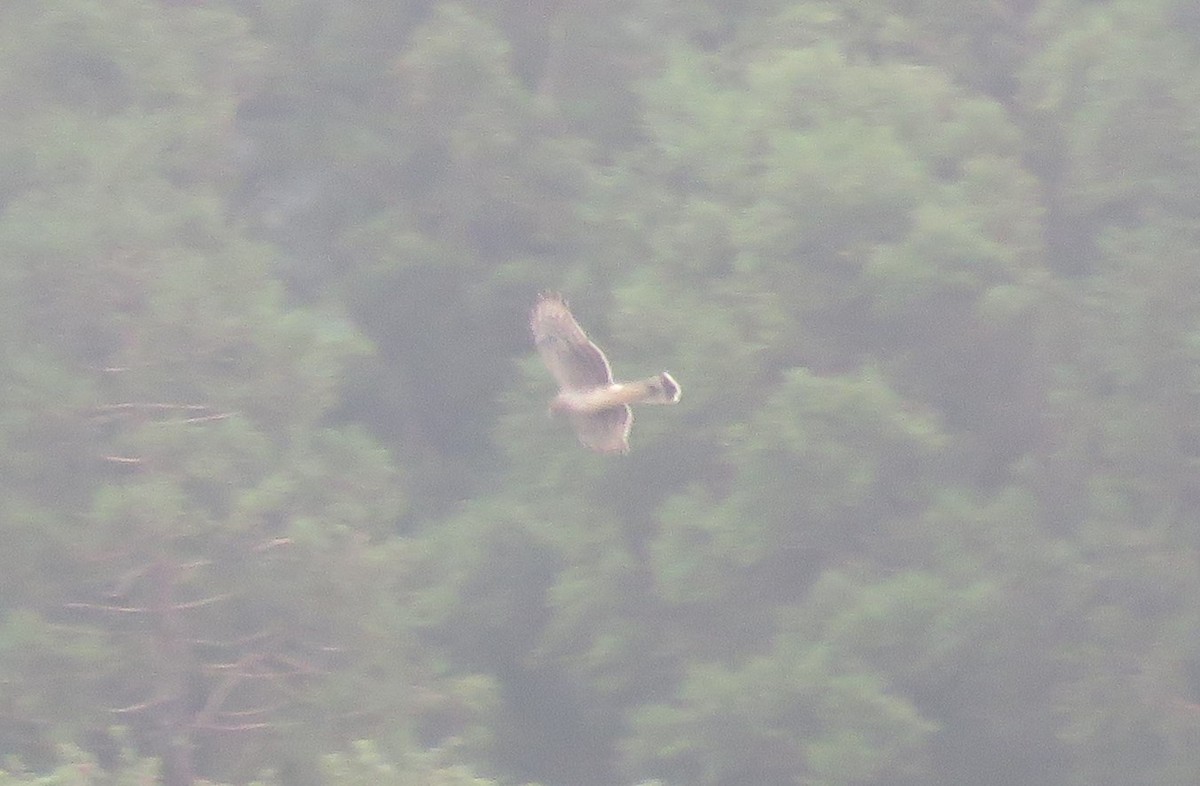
<point>670,386</point>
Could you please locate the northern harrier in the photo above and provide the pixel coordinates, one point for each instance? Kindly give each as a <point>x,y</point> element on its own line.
<point>597,407</point>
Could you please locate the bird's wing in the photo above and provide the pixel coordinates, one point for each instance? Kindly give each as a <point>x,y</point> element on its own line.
<point>574,361</point>
<point>606,431</point>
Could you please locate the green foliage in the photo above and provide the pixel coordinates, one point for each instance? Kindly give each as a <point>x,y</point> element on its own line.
<point>77,768</point>
<point>281,495</point>
<point>364,766</point>
<point>781,719</point>
<point>822,460</point>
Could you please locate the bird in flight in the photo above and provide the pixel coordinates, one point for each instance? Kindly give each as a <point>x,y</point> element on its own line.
<point>597,407</point>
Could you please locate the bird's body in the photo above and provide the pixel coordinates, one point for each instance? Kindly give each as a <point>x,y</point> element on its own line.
<point>597,406</point>
<point>659,389</point>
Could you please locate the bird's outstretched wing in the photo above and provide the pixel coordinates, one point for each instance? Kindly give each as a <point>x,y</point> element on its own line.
<point>574,361</point>
<point>606,431</point>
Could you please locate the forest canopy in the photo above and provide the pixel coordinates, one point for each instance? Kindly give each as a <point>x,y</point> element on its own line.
<point>280,499</point>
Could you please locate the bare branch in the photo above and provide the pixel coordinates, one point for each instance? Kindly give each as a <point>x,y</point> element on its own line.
<point>99,607</point>
<point>239,642</point>
<point>132,406</point>
<point>256,711</point>
<point>215,699</point>
<point>141,707</point>
<point>207,418</point>
<point>235,728</point>
<point>273,543</point>
<point>195,604</point>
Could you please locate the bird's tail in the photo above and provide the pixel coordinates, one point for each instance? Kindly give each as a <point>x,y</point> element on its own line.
<point>660,389</point>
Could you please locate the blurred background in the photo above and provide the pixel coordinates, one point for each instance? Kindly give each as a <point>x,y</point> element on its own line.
<point>279,498</point>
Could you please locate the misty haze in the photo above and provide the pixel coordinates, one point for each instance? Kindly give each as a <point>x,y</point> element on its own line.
<point>281,500</point>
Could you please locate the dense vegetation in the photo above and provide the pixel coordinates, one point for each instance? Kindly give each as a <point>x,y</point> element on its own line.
<point>280,501</point>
